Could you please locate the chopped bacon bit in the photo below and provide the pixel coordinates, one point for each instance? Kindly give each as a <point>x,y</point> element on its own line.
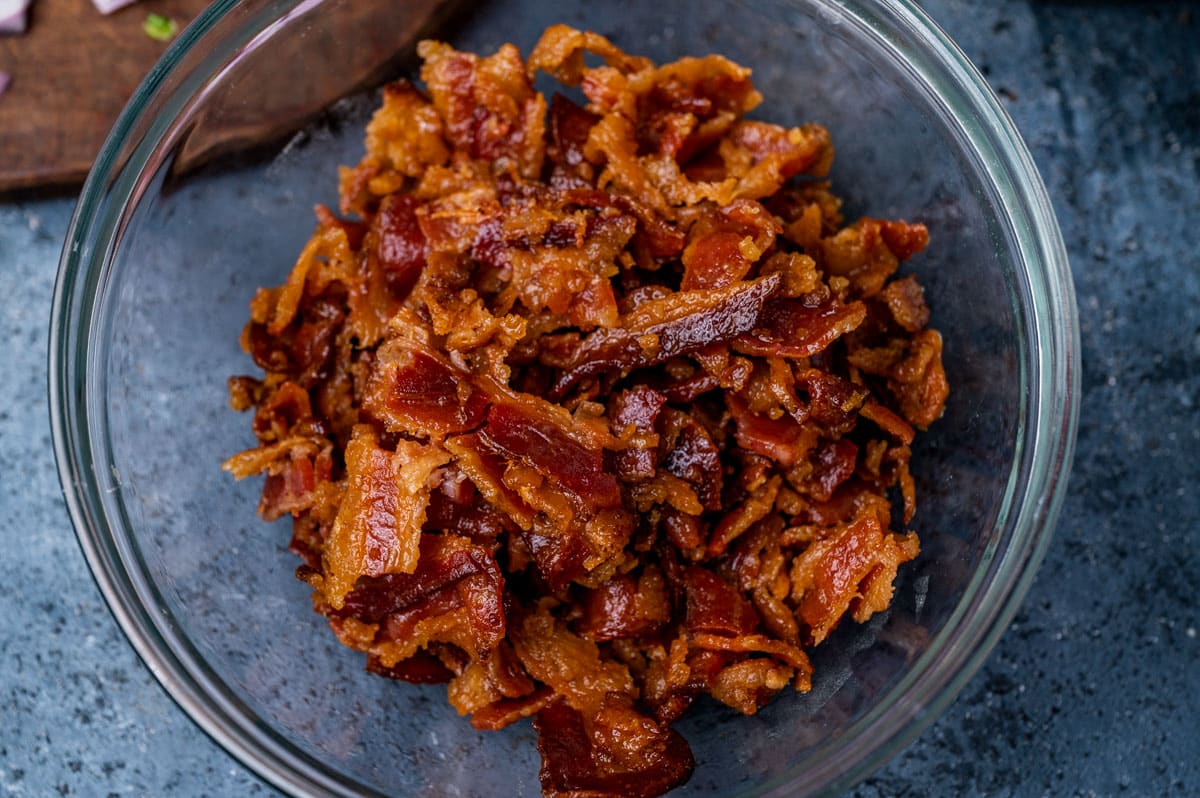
<point>905,299</point>
<point>399,242</point>
<point>749,684</point>
<point>684,532</point>
<point>919,381</point>
<point>404,138</point>
<point>485,683</point>
<point>662,238</point>
<point>488,105</point>
<point>869,251</point>
<point>418,393</point>
<point>690,453</point>
<point>634,412</point>
<point>888,421</point>
<point>620,753</point>
<point>547,448</point>
<point>560,50</point>
<point>788,328</point>
<point>855,570</point>
<point>724,244</point>
<point>567,662</point>
<point>378,526</point>
<point>781,439</point>
<point>833,401</point>
<point>661,329</point>
<point>833,464</point>
<point>291,486</point>
<point>714,606</point>
<point>445,561</point>
<point>569,127</point>
<point>244,392</point>
<point>468,516</point>
<point>566,406</point>
<point>904,239</point>
<point>624,607</point>
<point>747,643</point>
<point>742,517</point>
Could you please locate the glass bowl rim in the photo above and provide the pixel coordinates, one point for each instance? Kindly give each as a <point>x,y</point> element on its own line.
<point>1050,373</point>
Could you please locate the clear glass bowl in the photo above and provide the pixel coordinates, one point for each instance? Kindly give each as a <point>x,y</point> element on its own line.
<point>171,237</point>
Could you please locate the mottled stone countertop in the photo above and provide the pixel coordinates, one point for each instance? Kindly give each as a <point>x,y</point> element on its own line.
<point>1094,690</point>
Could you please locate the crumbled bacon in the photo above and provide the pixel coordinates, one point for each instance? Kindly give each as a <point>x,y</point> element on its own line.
<point>568,416</point>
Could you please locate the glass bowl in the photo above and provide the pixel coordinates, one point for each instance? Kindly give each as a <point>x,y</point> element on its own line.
<point>204,191</point>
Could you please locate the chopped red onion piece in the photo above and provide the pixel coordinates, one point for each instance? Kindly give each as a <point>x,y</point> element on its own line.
<point>12,20</point>
<point>109,6</point>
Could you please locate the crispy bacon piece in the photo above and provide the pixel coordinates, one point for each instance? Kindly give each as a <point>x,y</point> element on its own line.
<point>558,555</point>
<point>569,127</point>
<point>507,711</point>
<point>788,328</point>
<point>485,468</point>
<point>414,391</point>
<point>776,152</point>
<point>665,328</point>
<point>458,508</point>
<point>291,485</point>
<point>690,453</point>
<point>455,595</point>
<point>919,381</point>
<point>735,522</point>
<point>716,607</point>
<point>619,754</point>
<point>566,662</point>
<point>833,401</point>
<point>445,561</point>
<point>567,406</point>
<point>781,439</point>
<point>852,572</point>
<point>399,243</point>
<point>624,607</point>
<point>485,683</point>
<point>833,464</point>
<point>538,441</point>
<point>634,412</point>
<point>404,138</point>
<point>869,251</point>
<point>378,526</point>
<point>560,51</point>
<point>726,243</point>
<point>313,342</point>
<point>488,105</point>
<point>905,299</point>
<point>888,421</point>
<point>662,238</point>
<point>749,684</point>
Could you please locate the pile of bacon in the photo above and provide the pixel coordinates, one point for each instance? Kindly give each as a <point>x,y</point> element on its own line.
<point>591,410</point>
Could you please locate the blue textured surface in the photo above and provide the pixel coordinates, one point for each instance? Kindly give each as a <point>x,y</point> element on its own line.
<point>1093,691</point>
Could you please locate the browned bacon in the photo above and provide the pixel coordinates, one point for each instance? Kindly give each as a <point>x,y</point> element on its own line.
<point>587,411</point>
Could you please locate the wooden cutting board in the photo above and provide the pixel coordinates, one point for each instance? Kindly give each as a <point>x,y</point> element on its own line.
<point>72,72</point>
